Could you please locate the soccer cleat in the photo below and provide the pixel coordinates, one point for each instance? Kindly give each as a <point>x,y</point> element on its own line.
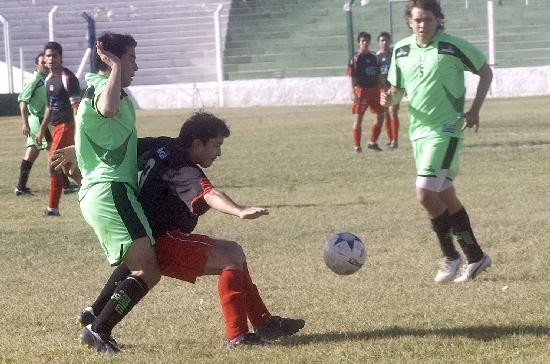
<point>23,191</point>
<point>374,146</point>
<point>473,269</point>
<point>357,149</point>
<point>70,188</point>
<point>448,269</point>
<point>48,213</point>
<point>276,327</point>
<point>246,339</point>
<point>102,343</point>
<point>393,145</point>
<point>86,317</point>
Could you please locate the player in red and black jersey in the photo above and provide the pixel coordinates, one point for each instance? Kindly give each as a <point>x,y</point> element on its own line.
<point>391,114</point>
<point>63,97</point>
<point>364,71</point>
<point>174,193</point>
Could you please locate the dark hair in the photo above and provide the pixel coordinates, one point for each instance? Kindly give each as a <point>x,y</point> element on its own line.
<point>203,126</point>
<point>41,54</point>
<point>429,5</point>
<point>384,34</point>
<point>55,46</point>
<point>363,35</point>
<point>115,43</point>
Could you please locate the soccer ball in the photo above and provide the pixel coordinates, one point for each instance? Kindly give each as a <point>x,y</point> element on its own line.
<point>344,253</point>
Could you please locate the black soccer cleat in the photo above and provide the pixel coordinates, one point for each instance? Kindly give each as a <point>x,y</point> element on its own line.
<point>23,191</point>
<point>101,343</point>
<point>277,327</point>
<point>86,317</point>
<point>246,339</point>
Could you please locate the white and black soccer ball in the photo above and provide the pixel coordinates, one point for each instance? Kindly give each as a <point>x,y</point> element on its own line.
<point>344,253</point>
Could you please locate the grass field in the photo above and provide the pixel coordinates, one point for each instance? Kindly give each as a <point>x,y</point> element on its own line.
<point>298,162</point>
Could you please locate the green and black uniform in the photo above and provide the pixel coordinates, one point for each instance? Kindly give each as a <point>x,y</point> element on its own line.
<point>34,95</point>
<point>106,150</point>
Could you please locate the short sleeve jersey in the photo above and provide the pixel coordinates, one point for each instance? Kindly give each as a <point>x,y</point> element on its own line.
<point>34,94</point>
<point>433,78</point>
<point>364,70</point>
<point>384,61</point>
<point>106,148</point>
<point>62,91</point>
<point>172,190</point>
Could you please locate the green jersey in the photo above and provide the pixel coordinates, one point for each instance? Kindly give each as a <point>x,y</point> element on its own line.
<point>34,94</point>
<point>106,148</point>
<point>433,79</point>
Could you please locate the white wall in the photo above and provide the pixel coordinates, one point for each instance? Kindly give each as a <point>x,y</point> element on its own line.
<point>507,82</point>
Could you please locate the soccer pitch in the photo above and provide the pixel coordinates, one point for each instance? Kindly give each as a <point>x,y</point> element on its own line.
<point>298,162</point>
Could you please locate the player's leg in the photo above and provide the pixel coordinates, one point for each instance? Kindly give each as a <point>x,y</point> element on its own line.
<point>394,121</point>
<point>388,127</point>
<point>56,178</point>
<point>433,156</point>
<point>373,100</point>
<point>117,218</point>
<point>31,153</point>
<point>358,111</point>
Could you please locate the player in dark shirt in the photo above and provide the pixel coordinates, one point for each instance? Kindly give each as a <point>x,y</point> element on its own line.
<point>63,97</point>
<point>391,114</point>
<point>364,72</point>
<point>174,193</point>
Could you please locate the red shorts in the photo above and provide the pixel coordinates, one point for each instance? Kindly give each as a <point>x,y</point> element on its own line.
<point>182,256</point>
<point>62,136</point>
<point>366,98</point>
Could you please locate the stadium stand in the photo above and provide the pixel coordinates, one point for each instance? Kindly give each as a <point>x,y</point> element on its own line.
<point>262,38</point>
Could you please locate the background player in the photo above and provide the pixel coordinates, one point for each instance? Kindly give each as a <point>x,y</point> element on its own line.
<point>364,72</point>
<point>63,97</point>
<point>391,114</point>
<point>32,101</point>
<point>429,66</point>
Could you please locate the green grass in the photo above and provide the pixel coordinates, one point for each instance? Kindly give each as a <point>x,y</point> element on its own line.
<point>297,161</point>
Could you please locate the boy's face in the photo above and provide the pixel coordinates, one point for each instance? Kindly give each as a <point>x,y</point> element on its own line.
<point>424,25</point>
<point>53,60</point>
<point>363,45</point>
<point>41,66</point>
<point>383,43</point>
<point>128,66</point>
<point>204,154</point>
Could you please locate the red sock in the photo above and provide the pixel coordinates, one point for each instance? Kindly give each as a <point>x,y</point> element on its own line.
<point>255,308</point>
<point>231,288</point>
<point>375,130</point>
<point>357,137</point>
<point>395,129</point>
<point>56,187</point>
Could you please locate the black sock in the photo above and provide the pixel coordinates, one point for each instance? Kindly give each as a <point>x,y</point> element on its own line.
<point>24,172</point>
<point>442,227</point>
<point>127,294</point>
<point>119,274</point>
<point>462,230</point>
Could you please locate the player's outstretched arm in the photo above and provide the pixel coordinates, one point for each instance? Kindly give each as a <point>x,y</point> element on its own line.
<point>109,100</point>
<point>220,201</point>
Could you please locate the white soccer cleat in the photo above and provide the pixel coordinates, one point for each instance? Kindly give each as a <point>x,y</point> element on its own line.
<point>448,269</point>
<point>472,270</point>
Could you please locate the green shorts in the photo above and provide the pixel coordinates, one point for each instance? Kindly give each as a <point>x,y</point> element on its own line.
<point>34,126</point>
<point>436,156</point>
<point>116,216</point>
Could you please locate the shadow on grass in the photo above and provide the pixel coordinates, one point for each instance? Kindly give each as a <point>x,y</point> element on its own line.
<point>481,333</point>
<point>532,143</point>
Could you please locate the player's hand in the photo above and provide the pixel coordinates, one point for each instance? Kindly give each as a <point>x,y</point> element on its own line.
<point>25,129</point>
<point>64,158</point>
<point>471,120</point>
<point>39,137</point>
<point>107,57</point>
<point>250,213</point>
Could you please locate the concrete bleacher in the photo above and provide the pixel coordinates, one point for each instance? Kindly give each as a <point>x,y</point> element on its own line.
<point>261,38</point>
<point>176,41</point>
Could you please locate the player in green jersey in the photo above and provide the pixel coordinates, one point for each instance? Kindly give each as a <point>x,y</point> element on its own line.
<point>32,101</point>
<point>106,149</point>
<point>429,67</point>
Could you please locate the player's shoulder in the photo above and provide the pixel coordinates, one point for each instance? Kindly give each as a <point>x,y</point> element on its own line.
<point>68,72</point>
<point>453,39</point>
